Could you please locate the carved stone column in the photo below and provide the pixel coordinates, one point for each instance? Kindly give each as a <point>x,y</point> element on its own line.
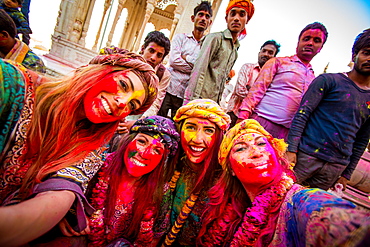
<point>82,7</point>
<point>107,4</point>
<point>116,18</point>
<point>87,23</point>
<point>175,21</point>
<point>150,5</point>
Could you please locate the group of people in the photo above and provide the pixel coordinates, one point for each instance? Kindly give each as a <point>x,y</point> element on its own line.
<point>77,171</point>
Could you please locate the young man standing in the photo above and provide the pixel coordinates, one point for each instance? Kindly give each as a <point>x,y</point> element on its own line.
<point>184,52</point>
<point>218,54</point>
<point>275,95</point>
<point>155,48</point>
<point>331,129</point>
<point>246,77</point>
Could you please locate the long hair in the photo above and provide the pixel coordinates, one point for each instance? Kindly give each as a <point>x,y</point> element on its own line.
<point>210,164</point>
<point>57,137</point>
<point>149,184</point>
<point>229,190</point>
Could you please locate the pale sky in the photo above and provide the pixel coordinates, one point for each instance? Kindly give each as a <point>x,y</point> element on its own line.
<point>281,20</point>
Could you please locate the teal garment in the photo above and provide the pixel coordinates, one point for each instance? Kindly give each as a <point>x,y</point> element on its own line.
<point>189,232</point>
<point>34,62</point>
<point>12,93</point>
<point>19,19</point>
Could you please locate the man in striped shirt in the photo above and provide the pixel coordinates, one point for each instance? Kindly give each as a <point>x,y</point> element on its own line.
<point>184,51</point>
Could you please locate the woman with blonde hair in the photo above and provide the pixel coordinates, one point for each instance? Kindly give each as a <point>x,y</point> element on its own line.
<point>52,130</point>
<point>256,202</point>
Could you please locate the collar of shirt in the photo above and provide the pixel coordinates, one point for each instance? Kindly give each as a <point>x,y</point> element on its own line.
<point>191,36</point>
<point>295,58</point>
<point>257,66</point>
<point>227,35</point>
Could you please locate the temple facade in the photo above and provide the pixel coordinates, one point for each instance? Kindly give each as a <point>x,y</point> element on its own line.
<point>74,18</point>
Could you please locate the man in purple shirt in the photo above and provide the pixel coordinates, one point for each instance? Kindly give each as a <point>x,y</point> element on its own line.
<point>275,96</point>
<point>247,75</point>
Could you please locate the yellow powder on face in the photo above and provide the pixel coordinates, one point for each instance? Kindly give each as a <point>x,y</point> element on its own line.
<point>137,94</point>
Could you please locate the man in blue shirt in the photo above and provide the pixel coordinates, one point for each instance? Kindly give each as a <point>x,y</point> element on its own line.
<point>331,128</point>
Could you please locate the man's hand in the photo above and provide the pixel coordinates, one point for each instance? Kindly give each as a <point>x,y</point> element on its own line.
<point>343,181</point>
<point>183,57</point>
<point>292,157</point>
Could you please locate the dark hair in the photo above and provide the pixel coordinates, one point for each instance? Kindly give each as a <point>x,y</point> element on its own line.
<point>20,2</point>
<point>272,42</point>
<point>316,25</point>
<point>7,24</point>
<point>205,179</point>
<point>228,196</point>
<point>205,6</point>
<point>151,184</point>
<point>158,38</point>
<point>361,41</point>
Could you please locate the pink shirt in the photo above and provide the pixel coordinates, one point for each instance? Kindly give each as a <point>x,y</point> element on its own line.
<point>246,77</point>
<point>278,90</point>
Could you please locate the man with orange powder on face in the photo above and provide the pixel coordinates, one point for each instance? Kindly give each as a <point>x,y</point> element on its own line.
<point>275,95</point>
<point>218,54</point>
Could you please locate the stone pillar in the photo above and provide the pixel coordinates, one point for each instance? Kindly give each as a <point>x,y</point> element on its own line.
<point>65,18</point>
<point>107,4</point>
<point>81,9</point>
<point>116,18</point>
<point>68,40</point>
<point>174,23</point>
<point>132,21</point>
<point>121,41</point>
<point>87,23</point>
<point>150,5</point>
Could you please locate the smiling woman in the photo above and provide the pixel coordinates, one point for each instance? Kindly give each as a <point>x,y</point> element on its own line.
<point>131,197</point>
<point>50,129</point>
<point>202,123</point>
<point>256,203</point>
<point>114,97</point>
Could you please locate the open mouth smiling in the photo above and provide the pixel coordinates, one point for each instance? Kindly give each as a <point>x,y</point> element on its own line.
<point>197,149</point>
<point>106,106</point>
<point>138,163</point>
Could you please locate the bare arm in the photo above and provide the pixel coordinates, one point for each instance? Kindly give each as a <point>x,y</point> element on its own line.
<point>28,220</point>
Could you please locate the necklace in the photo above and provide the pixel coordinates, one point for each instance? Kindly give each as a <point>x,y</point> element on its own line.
<point>256,217</point>
<point>184,213</point>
